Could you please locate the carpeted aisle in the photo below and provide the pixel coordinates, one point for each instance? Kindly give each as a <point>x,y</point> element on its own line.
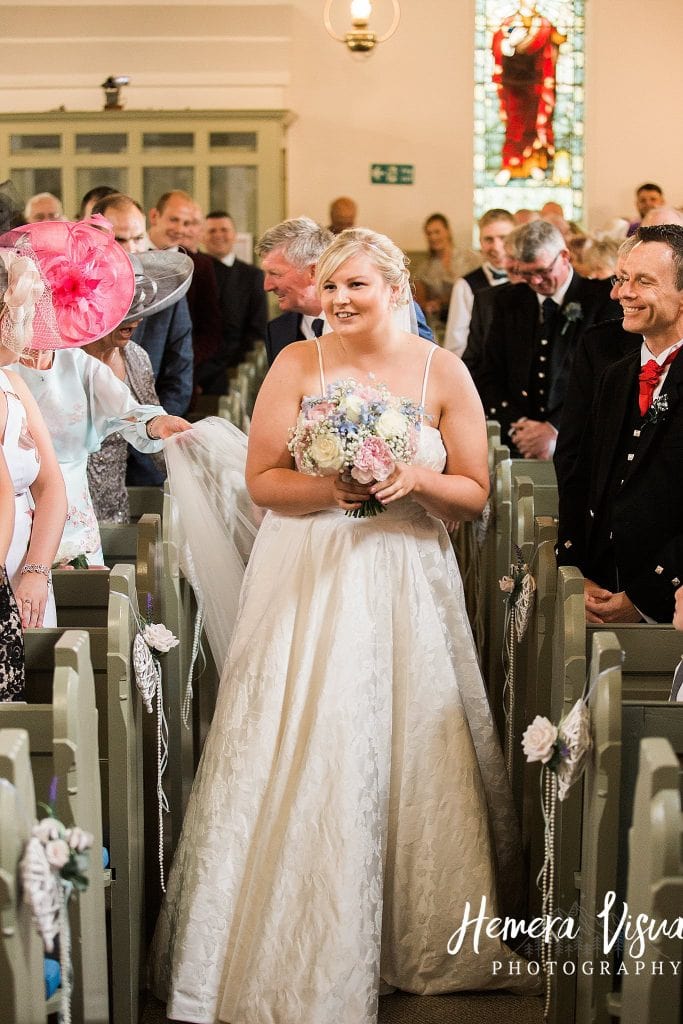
<point>484,1008</point>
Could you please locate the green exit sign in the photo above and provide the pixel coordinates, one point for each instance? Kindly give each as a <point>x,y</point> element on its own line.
<point>392,174</point>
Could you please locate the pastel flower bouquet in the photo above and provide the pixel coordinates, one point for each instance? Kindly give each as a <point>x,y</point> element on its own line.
<point>359,430</point>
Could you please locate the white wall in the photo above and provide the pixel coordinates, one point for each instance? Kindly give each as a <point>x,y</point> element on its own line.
<point>411,102</point>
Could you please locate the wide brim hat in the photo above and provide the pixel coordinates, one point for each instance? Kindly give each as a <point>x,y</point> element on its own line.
<point>89,277</point>
<point>162,278</point>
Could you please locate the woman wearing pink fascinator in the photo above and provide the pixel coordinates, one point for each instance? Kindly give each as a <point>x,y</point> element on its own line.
<point>38,507</point>
<point>92,285</point>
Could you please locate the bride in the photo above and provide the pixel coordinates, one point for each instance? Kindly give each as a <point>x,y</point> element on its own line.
<point>352,795</point>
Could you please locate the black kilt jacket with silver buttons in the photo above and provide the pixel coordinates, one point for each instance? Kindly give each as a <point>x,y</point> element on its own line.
<point>525,368</point>
<point>622,524</point>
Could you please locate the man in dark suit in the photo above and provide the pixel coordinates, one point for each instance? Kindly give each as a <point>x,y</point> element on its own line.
<point>600,346</point>
<point>175,221</point>
<point>166,336</point>
<point>289,254</point>
<point>242,300</point>
<point>624,524</point>
<point>533,335</point>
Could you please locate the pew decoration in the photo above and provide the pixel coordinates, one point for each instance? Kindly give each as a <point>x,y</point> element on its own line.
<point>154,637</point>
<point>520,588</point>
<point>197,649</point>
<point>562,750</point>
<point>54,866</point>
<point>481,525</point>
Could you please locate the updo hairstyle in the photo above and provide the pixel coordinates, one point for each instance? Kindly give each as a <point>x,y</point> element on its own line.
<point>391,262</point>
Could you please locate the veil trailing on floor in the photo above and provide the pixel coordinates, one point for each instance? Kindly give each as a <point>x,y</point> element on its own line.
<point>216,519</point>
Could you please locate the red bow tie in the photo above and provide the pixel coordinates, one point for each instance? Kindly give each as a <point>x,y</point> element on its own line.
<point>650,375</point>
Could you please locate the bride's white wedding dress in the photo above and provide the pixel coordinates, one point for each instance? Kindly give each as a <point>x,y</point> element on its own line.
<point>352,795</point>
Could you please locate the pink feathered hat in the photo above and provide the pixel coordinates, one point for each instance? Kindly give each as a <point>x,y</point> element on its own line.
<point>88,276</point>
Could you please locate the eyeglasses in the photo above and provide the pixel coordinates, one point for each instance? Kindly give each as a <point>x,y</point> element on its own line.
<point>618,282</point>
<point>542,272</point>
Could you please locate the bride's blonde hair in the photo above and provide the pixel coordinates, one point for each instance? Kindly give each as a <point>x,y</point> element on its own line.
<point>391,262</point>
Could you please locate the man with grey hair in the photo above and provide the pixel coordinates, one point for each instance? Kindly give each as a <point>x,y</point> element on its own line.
<point>289,255</point>
<point>530,345</point>
<point>43,206</point>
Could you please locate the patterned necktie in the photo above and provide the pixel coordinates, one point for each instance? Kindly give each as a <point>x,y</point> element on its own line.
<point>317,326</point>
<point>649,378</point>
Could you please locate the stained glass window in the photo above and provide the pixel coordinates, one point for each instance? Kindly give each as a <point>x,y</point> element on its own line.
<point>529,105</point>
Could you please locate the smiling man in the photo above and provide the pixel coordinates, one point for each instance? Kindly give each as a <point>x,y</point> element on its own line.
<point>624,525</point>
<point>289,254</point>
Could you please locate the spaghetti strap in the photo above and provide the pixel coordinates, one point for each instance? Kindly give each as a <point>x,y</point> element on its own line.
<point>320,364</point>
<point>432,350</point>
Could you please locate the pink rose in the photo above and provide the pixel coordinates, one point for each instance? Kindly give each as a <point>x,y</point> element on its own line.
<point>373,461</point>
<point>319,412</point>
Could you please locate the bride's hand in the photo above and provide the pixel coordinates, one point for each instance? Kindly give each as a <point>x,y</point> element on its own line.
<point>403,481</point>
<point>348,494</point>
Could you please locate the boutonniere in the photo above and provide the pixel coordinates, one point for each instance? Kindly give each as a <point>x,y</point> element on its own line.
<point>571,314</point>
<point>658,410</point>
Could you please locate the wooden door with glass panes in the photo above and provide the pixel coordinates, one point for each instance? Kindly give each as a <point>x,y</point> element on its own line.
<point>226,160</point>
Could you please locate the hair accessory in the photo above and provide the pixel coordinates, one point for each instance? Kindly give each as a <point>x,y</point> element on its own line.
<point>90,277</point>
<point>162,277</point>
<point>23,290</point>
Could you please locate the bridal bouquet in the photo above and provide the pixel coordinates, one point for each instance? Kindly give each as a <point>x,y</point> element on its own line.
<point>362,430</point>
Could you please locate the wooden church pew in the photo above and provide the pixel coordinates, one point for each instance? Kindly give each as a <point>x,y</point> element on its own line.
<point>574,871</point>
<point>655,885</point>
<point>120,743</point>
<point>144,500</point>
<point>22,991</point>
<point>63,743</point>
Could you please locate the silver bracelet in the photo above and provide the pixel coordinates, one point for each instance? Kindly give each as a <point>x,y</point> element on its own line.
<point>44,570</point>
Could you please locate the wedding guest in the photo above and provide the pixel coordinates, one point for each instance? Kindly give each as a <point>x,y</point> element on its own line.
<point>343,213</point>
<point>648,197</point>
<point>39,500</point>
<point>11,639</point>
<point>352,719</point>
<point>81,399</point>
<point>494,227</point>
<point>166,336</point>
<point>622,524</point>
<point>174,220</point>
<point>43,206</point>
<point>161,279</point>
<point>531,342</point>
<point>92,197</point>
<point>244,308</point>
<point>435,276</point>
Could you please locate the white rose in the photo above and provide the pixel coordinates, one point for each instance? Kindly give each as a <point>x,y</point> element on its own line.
<point>326,451</point>
<point>47,829</point>
<point>391,424</point>
<point>57,853</point>
<point>352,407</point>
<point>539,739</point>
<point>159,638</point>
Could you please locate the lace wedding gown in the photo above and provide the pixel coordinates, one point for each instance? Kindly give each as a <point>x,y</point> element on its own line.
<point>351,795</point>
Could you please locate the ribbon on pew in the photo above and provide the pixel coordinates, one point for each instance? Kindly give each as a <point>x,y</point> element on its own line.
<point>563,751</point>
<point>154,636</point>
<point>520,587</point>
